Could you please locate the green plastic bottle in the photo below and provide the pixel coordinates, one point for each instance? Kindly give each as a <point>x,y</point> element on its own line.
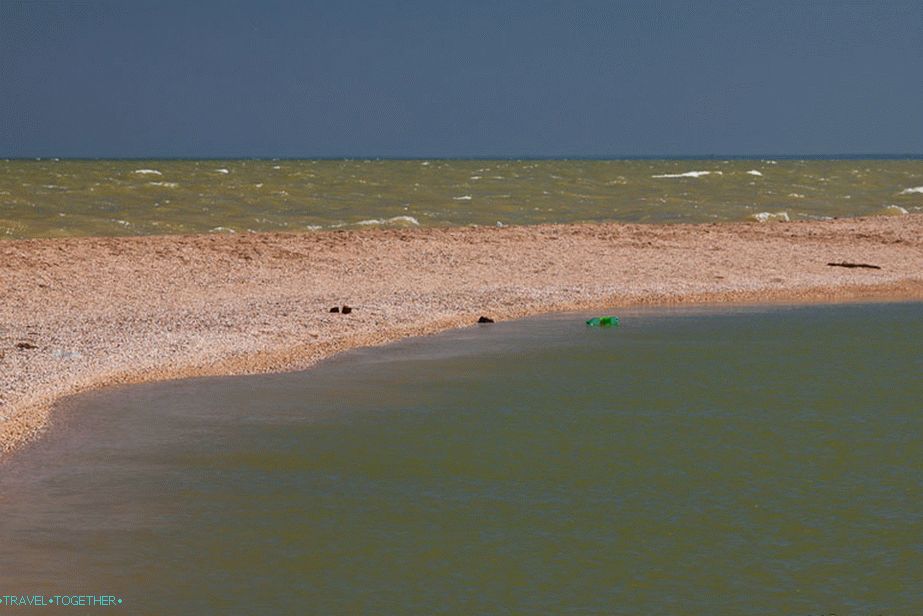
<point>603,322</point>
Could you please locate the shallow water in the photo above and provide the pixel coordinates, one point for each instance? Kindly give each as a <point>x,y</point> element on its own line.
<point>49,198</point>
<point>759,460</point>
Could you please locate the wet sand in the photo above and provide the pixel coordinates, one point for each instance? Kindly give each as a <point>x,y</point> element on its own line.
<point>88,312</point>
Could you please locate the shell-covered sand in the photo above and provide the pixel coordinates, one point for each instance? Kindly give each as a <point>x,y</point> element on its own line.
<point>112,310</point>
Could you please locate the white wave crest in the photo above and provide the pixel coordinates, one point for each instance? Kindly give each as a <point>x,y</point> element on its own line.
<point>147,172</point>
<point>688,174</point>
<point>895,210</point>
<point>462,198</point>
<point>910,191</point>
<point>771,217</point>
<point>796,195</point>
<point>222,170</point>
<point>754,172</point>
<point>410,220</point>
<point>221,230</point>
<point>163,184</point>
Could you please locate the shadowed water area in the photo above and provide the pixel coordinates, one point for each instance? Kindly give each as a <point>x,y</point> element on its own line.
<point>49,198</point>
<point>759,460</point>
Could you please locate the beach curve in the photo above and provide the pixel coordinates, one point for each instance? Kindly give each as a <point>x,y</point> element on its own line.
<point>81,313</point>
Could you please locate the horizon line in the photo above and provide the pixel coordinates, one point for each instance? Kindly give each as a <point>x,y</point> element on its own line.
<point>613,157</point>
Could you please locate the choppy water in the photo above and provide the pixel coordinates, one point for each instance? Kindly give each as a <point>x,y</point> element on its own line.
<point>60,198</point>
<point>759,461</point>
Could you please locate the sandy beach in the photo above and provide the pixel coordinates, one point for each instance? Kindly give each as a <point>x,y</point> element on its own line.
<point>88,312</point>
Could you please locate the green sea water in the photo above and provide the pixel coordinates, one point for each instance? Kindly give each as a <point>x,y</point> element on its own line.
<point>732,461</point>
<point>51,198</point>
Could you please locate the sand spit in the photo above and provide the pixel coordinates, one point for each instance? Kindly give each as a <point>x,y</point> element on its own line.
<point>87,312</point>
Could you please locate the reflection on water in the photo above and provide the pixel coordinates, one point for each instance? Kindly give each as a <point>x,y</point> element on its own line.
<point>749,461</point>
<point>63,198</point>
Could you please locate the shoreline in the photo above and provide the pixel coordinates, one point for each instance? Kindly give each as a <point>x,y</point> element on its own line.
<point>105,311</point>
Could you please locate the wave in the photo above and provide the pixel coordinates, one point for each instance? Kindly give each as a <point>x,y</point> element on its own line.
<point>771,217</point>
<point>894,210</point>
<point>147,172</point>
<point>390,221</point>
<point>754,172</point>
<point>224,171</point>
<point>688,174</point>
<point>462,198</point>
<point>910,191</point>
<point>163,184</point>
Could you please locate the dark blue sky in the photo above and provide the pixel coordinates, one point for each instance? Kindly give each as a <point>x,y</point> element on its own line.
<point>466,78</point>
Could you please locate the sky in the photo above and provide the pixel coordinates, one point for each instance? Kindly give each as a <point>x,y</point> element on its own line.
<point>470,78</point>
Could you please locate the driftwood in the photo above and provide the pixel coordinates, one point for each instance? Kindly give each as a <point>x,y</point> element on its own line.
<point>845,264</point>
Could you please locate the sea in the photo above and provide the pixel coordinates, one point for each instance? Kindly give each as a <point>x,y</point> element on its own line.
<point>715,460</point>
<point>59,198</point>
<point>711,460</point>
